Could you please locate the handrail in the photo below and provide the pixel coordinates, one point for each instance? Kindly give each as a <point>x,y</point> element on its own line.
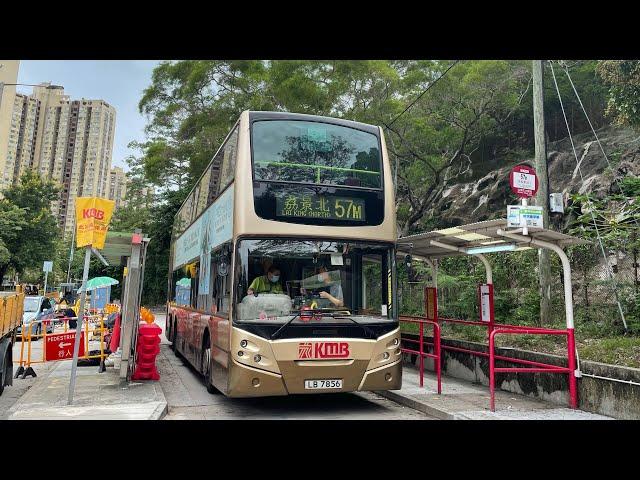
<point>507,329</point>
<point>542,368</point>
<point>436,355</point>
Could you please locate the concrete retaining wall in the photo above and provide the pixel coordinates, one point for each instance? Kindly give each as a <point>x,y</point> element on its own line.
<point>615,399</point>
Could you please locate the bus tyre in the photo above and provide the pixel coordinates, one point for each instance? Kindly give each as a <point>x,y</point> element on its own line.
<point>172,334</point>
<point>205,367</point>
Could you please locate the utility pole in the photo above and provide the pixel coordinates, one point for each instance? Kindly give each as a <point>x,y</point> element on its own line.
<point>542,197</point>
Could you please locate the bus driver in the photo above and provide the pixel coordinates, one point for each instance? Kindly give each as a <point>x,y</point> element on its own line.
<point>269,283</point>
<point>334,295</point>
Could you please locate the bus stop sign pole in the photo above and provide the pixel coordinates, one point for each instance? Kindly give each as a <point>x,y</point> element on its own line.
<point>76,345</point>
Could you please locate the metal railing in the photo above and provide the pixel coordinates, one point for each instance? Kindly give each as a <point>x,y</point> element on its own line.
<point>435,346</point>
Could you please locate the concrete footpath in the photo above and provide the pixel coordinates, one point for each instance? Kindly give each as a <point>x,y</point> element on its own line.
<point>98,396</point>
<point>462,400</point>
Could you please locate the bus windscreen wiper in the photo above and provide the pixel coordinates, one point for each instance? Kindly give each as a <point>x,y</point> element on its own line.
<point>273,336</point>
<point>364,327</point>
<point>367,330</point>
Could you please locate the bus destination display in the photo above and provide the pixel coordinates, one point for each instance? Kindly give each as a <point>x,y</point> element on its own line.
<point>320,206</point>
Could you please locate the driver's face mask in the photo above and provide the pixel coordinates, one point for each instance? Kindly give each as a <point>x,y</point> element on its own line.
<point>275,278</point>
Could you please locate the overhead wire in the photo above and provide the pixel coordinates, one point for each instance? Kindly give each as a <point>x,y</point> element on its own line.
<point>388,125</point>
<point>615,179</point>
<point>595,224</point>
<point>423,92</point>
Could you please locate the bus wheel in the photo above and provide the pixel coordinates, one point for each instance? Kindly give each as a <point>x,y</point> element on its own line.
<point>174,343</point>
<point>172,333</point>
<point>205,366</point>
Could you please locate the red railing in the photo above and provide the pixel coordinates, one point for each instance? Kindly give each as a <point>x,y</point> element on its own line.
<point>539,367</point>
<point>493,330</point>
<point>421,322</point>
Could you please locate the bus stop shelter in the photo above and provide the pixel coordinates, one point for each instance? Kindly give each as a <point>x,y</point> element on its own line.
<point>493,236</point>
<point>128,250</point>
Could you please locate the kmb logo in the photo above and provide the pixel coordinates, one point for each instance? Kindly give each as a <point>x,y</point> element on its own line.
<point>93,212</point>
<point>323,350</point>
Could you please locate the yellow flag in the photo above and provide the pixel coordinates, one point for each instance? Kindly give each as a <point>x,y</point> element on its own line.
<point>93,215</point>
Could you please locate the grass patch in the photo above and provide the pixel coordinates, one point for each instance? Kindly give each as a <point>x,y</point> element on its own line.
<point>616,351</point>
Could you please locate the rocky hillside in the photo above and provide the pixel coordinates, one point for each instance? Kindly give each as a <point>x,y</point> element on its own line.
<point>487,197</point>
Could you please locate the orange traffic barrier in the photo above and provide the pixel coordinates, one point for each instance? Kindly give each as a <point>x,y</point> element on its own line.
<point>59,345</point>
<point>146,315</point>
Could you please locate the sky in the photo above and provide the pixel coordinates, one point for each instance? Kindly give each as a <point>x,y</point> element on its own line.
<point>118,82</point>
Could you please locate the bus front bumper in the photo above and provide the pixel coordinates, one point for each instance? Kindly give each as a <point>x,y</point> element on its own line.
<point>245,381</point>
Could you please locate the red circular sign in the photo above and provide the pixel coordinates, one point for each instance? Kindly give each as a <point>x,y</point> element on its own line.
<point>523,181</point>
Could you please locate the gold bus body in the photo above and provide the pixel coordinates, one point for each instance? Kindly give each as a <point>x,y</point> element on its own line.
<point>280,371</point>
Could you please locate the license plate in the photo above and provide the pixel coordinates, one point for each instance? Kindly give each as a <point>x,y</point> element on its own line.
<point>321,384</point>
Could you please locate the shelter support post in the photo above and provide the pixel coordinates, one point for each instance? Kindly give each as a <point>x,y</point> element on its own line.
<point>130,310</point>
<point>568,300</point>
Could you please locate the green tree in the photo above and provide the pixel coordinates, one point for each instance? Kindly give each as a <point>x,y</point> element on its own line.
<point>622,77</point>
<point>434,141</point>
<point>38,234</point>
<point>12,221</point>
<point>136,212</point>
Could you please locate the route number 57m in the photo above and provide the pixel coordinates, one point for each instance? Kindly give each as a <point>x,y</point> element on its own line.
<point>351,210</point>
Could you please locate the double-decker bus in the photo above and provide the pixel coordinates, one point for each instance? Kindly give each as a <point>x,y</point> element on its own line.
<point>282,266</point>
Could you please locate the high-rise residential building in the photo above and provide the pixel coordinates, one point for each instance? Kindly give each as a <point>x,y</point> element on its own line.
<point>67,141</point>
<point>117,187</point>
<point>8,75</point>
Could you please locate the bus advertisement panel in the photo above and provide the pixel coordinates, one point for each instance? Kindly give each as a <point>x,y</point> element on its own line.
<point>212,228</point>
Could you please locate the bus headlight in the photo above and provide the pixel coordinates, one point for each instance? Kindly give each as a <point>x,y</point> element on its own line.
<point>240,353</point>
<point>257,358</point>
<point>244,343</point>
<point>385,355</point>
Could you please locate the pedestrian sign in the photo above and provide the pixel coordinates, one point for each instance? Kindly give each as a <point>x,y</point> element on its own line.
<point>60,346</point>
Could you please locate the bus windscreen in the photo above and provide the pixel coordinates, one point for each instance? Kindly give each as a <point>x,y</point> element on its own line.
<point>317,153</point>
<point>281,280</point>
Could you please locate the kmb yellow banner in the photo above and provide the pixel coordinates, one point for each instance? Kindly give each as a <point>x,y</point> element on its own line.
<point>93,215</point>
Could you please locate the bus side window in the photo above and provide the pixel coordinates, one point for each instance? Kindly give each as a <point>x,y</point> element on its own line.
<point>223,281</point>
<point>228,161</point>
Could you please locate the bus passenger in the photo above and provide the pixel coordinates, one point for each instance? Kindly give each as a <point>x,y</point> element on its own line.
<point>269,283</point>
<point>334,295</point>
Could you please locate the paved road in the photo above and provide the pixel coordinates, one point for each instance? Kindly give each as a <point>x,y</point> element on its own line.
<point>187,398</point>
<point>11,394</point>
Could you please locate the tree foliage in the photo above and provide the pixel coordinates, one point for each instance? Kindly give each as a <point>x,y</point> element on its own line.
<point>33,232</point>
<point>480,111</point>
<point>622,77</point>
